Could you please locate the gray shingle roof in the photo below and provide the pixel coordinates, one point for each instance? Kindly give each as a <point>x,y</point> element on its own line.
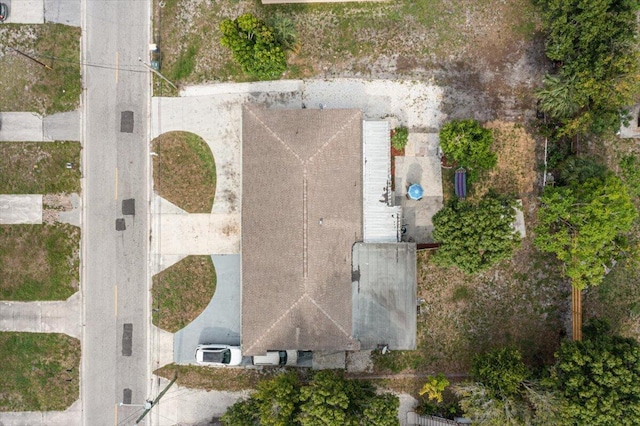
<point>301,215</point>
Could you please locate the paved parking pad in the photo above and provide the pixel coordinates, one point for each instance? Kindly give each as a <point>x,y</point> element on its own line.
<point>220,321</point>
<point>20,209</point>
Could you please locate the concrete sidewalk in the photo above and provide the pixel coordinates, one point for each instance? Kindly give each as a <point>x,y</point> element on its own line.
<point>72,416</point>
<point>20,209</point>
<point>43,317</point>
<point>31,127</point>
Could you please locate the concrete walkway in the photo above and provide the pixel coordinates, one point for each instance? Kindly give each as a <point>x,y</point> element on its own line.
<point>70,417</point>
<point>20,209</point>
<point>31,127</point>
<point>43,317</point>
<point>40,11</point>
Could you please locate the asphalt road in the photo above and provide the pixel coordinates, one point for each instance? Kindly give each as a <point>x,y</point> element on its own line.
<point>115,275</point>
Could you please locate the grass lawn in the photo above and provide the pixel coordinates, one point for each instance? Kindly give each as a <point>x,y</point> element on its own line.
<point>213,378</point>
<point>32,87</point>
<point>39,262</point>
<point>39,167</point>
<point>40,371</point>
<point>184,171</point>
<point>401,38</point>
<point>182,291</point>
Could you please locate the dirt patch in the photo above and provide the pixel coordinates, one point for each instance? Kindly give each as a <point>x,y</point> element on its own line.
<point>515,171</point>
<point>39,262</point>
<point>520,302</point>
<point>489,64</point>
<point>40,371</point>
<point>182,291</point>
<point>32,86</point>
<point>52,205</point>
<point>184,171</point>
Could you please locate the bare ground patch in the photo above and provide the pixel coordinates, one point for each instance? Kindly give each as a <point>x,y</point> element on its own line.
<point>515,171</point>
<point>182,291</point>
<point>184,171</point>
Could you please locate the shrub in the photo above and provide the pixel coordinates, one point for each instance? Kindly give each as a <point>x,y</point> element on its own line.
<point>469,144</point>
<point>399,138</point>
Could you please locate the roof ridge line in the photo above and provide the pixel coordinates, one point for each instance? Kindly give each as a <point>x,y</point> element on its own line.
<point>330,318</point>
<point>275,135</point>
<point>261,338</point>
<point>333,137</point>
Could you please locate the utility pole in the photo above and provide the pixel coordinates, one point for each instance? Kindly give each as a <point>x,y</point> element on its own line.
<point>157,73</point>
<point>32,58</point>
<point>149,406</point>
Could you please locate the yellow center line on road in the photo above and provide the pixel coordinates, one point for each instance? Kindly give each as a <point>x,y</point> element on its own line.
<point>115,300</point>
<point>117,65</point>
<point>116,195</point>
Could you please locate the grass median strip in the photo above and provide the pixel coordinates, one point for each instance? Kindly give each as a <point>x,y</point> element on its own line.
<point>39,167</point>
<point>182,291</point>
<point>40,371</point>
<point>32,87</point>
<point>39,262</point>
<point>213,378</point>
<point>184,171</point>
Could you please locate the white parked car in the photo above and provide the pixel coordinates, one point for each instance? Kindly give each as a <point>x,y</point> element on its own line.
<point>218,355</point>
<point>280,358</point>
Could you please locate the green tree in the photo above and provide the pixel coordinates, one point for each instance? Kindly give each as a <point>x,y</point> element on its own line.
<point>583,224</point>
<point>504,394</point>
<point>594,43</point>
<point>242,413</point>
<point>278,399</point>
<point>598,379</point>
<point>285,29</point>
<point>474,237</point>
<point>501,371</point>
<point>468,144</point>
<point>327,399</point>
<point>254,46</point>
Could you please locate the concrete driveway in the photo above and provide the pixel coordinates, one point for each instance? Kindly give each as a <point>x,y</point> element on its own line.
<point>40,11</point>
<point>220,321</point>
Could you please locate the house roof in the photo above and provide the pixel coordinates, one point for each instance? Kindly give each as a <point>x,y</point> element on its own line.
<point>301,215</point>
<point>384,295</point>
<point>381,218</point>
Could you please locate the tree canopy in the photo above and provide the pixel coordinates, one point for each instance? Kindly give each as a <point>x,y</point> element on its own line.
<point>594,44</point>
<point>469,144</point>
<point>598,378</point>
<point>583,224</point>
<point>475,236</point>
<point>504,394</point>
<point>327,399</point>
<point>255,46</point>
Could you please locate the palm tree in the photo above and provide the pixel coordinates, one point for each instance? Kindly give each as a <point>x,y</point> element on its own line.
<point>285,30</point>
<point>559,97</point>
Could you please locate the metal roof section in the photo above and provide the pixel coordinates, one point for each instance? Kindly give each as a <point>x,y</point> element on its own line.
<point>384,284</point>
<point>380,218</point>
